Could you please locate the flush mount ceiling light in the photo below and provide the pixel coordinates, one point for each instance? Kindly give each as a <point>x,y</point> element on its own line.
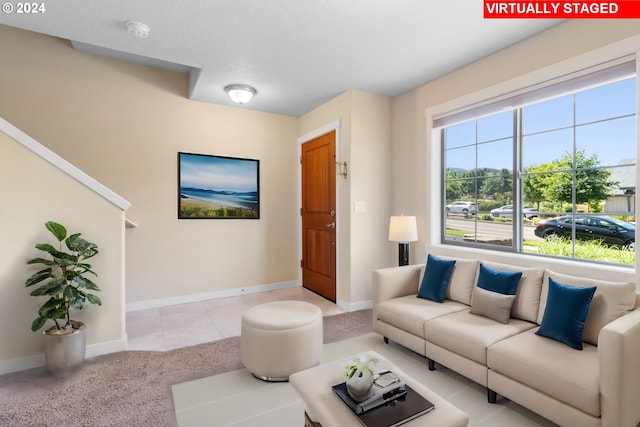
<point>240,94</point>
<point>138,29</point>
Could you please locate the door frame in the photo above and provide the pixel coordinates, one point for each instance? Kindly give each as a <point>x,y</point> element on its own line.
<point>329,127</point>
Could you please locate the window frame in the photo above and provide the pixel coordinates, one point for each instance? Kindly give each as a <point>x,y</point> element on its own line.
<point>438,173</point>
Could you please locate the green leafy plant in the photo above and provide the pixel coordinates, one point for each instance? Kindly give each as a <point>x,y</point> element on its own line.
<point>65,279</point>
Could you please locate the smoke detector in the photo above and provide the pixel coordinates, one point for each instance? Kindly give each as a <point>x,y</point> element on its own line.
<point>138,29</point>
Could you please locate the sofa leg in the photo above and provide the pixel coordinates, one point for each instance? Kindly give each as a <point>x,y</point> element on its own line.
<point>492,396</point>
<point>386,340</point>
<point>431,364</point>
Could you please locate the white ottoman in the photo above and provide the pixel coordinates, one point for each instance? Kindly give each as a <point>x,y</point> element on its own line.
<point>280,338</point>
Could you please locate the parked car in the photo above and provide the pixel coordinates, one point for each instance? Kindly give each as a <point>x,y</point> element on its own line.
<point>610,231</point>
<point>462,207</point>
<point>507,212</point>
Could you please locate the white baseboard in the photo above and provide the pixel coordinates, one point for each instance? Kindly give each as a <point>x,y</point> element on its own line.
<point>355,306</point>
<point>106,347</point>
<point>162,302</point>
<point>36,361</point>
<point>22,363</point>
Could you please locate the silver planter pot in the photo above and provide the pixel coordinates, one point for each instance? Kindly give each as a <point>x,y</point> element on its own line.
<point>64,353</point>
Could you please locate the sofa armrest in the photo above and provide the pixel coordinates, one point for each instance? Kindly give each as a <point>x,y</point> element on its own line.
<point>394,282</point>
<point>618,350</point>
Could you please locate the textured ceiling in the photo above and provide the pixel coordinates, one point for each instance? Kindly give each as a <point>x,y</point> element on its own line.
<point>297,53</point>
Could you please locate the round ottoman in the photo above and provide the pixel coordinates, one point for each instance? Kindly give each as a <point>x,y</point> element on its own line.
<point>280,338</point>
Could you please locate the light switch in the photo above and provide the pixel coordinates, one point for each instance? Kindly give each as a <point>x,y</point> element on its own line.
<point>359,206</point>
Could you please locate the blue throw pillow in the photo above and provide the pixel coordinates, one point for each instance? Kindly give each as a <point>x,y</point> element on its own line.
<point>436,278</point>
<point>565,313</point>
<point>503,282</point>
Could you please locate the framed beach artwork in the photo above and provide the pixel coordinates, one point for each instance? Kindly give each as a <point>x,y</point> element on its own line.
<point>217,187</point>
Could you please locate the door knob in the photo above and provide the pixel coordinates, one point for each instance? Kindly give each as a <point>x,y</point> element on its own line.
<point>332,225</point>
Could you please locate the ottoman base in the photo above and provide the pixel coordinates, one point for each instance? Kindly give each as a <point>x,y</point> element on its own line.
<point>271,379</point>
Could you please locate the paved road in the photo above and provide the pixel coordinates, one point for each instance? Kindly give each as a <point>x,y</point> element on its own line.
<point>501,229</point>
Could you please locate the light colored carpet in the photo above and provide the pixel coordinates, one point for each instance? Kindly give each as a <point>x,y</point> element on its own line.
<point>236,399</point>
<point>131,388</point>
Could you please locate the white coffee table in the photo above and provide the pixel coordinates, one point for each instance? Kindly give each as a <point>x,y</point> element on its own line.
<point>324,408</point>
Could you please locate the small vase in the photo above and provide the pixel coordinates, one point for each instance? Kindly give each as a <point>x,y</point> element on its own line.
<point>359,385</point>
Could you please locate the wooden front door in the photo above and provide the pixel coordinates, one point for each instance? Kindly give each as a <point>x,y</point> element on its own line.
<point>319,215</point>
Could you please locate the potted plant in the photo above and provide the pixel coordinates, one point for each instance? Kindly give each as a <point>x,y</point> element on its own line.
<point>360,375</point>
<point>64,280</point>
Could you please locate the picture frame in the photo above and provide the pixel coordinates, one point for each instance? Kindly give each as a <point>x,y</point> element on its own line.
<point>218,187</point>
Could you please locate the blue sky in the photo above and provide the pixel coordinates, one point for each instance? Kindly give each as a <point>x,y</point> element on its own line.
<point>612,140</point>
<point>218,173</point>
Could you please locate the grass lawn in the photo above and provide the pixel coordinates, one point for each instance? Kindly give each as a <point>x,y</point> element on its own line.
<point>593,250</point>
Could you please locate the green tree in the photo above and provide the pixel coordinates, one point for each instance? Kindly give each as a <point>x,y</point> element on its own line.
<point>453,187</point>
<point>468,185</point>
<point>533,184</point>
<point>592,184</point>
<point>498,186</point>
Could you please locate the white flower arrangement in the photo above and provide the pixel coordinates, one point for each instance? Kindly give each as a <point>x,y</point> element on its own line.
<point>361,365</point>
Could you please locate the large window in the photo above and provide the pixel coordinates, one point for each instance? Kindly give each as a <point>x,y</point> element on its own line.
<point>553,175</point>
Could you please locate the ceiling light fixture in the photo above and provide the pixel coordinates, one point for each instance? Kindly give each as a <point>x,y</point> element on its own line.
<point>240,94</point>
<point>138,29</point>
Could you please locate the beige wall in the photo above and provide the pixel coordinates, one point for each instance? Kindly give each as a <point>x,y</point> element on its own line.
<point>33,192</point>
<point>537,57</point>
<point>124,124</point>
<point>364,143</point>
<point>370,187</point>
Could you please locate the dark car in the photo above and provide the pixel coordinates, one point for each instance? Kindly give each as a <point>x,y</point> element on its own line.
<point>610,231</point>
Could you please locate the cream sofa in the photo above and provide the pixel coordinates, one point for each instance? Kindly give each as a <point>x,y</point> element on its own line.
<point>597,386</point>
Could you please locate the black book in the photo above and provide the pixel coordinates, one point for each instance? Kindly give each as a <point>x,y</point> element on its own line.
<point>395,411</point>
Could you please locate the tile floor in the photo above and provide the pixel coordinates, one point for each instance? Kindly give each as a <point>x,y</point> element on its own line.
<point>181,325</point>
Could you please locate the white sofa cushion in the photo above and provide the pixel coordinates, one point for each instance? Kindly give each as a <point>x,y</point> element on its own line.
<point>469,335</point>
<point>409,313</point>
<point>611,301</point>
<point>527,300</point>
<point>463,279</point>
<point>550,367</point>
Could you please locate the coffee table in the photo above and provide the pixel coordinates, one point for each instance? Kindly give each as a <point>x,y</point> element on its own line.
<point>325,409</point>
